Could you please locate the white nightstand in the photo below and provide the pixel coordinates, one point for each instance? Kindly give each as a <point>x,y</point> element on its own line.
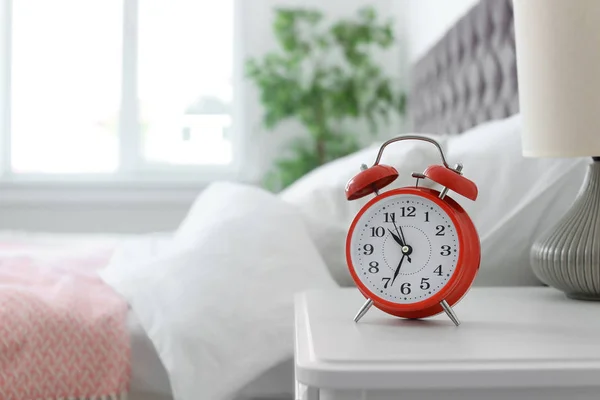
<point>514,343</point>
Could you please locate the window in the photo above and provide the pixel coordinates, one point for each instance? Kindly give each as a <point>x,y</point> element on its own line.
<point>116,88</point>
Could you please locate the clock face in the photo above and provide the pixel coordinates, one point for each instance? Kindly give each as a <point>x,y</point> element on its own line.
<point>404,248</point>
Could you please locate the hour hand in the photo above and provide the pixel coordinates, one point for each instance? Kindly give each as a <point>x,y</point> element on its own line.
<point>399,241</point>
<point>396,238</point>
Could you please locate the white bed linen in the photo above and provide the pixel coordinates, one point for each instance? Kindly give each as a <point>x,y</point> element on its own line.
<point>149,377</point>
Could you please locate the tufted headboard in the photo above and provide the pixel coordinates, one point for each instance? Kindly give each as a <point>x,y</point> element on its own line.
<point>469,76</point>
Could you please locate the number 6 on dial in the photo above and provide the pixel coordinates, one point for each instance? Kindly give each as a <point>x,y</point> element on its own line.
<point>413,252</point>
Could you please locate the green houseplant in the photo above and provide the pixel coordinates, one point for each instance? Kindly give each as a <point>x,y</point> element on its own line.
<point>326,76</point>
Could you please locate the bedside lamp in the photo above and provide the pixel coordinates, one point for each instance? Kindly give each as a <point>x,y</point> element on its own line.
<point>558,64</point>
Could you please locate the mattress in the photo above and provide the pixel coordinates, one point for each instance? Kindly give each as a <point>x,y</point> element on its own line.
<point>150,380</point>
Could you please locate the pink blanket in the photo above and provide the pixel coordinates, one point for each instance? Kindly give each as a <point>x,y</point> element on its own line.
<point>62,330</point>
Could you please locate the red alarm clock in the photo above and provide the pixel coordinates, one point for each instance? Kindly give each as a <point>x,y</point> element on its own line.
<point>413,252</point>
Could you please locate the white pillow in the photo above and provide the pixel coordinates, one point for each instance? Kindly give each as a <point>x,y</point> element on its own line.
<point>519,198</point>
<point>320,195</point>
<point>218,304</point>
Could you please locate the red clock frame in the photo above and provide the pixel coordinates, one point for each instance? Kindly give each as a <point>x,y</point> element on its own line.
<point>467,265</point>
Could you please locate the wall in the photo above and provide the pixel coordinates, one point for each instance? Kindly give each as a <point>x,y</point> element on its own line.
<point>56,208</point>
<point>428,20</point>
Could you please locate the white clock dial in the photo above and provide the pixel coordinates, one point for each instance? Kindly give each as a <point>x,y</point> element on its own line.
<point>404,248</point>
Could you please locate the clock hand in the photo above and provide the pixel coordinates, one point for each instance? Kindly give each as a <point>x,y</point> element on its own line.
<point>396,238</point>
<point>400,233</point>
<point>405,248</point>
<point>398,269</point>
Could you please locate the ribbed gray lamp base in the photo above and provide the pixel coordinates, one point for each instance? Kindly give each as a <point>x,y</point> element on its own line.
<point>568,256</point>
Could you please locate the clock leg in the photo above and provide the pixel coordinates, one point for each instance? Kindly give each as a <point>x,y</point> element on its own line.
<point>450,312</point>
<point>363,310</point>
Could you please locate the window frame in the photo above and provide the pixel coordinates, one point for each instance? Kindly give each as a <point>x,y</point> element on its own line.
<point>133,169</point>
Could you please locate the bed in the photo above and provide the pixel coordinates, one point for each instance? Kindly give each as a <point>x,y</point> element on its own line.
<point>149,379</point>
<point>467,78</point>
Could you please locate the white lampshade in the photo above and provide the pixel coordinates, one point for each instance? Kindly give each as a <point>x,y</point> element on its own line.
<point>558,63</point>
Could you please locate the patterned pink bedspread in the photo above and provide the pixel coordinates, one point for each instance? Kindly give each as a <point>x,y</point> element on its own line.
<point>63,332</point>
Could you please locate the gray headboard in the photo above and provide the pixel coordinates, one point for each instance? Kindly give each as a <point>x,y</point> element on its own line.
<point>470,75</point>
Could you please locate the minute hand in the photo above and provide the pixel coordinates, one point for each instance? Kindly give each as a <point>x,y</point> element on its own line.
<point>400,233</point>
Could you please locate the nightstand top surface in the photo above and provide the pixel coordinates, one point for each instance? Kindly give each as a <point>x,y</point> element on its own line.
<point>522,333</point>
